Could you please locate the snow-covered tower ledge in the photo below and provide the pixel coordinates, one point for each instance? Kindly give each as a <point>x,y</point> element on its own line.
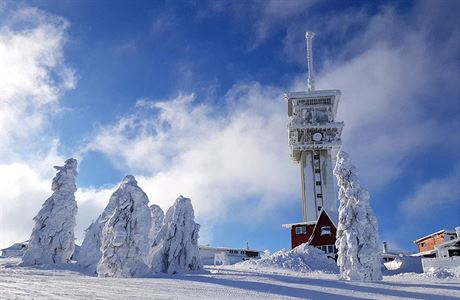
<point>314,139</point>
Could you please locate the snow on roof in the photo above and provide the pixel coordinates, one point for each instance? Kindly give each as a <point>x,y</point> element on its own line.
<point>434,233</point>
<point>208,247</point>
<point>289,226</point>
<point>333,216</point>
<point>16,246</point>
<point>313,93</point>
<point>427,252</point>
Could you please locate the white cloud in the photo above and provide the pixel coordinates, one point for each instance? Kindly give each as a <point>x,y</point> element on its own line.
<point>218,157</point>
<point>22,192</point>
<point>32,77</point>
<point>440,193</point>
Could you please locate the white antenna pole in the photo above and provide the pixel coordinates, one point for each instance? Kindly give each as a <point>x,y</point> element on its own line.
<point>310,80</point>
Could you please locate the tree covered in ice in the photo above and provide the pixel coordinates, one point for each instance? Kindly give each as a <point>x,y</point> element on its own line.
<point>175,249</point>
<point>90,251</point>
<point>157,220</point>
<point>357,232</point>
<point>52,239</point>
<point>125,235</point>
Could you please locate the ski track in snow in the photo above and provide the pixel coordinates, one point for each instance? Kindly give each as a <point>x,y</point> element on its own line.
<point>217,283</point>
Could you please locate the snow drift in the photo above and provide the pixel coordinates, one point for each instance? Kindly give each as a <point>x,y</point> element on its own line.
<point>52,239</point>
<point>125,236</point>
<point>175,249</point>
<point>303,258</point>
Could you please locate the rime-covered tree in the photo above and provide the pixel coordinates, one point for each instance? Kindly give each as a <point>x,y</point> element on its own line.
<point>90,251</point>
<point>52,240</point>
<point>357,231</point>
<point>157,220</point>
<point>175,249</point>
<point>125,236</point>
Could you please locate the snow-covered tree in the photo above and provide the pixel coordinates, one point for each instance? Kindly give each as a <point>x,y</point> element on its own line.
<point>125,236</point>
<point>175,249</point>
<point>90,251</point>
<point>52,239</point>
<point>157,220</point>
<point>357,231</point>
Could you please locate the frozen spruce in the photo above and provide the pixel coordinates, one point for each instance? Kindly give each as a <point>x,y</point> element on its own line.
<point>157,220</point>
<point>52,239</point>
<point>175,249</point>
<point>357,232</point>
<point>90,252</point>
<point>125,236</point>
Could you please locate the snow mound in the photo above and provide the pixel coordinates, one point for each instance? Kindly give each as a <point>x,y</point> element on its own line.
<point>303,258</point>
<point>403,264</point>
<point>442,273</point>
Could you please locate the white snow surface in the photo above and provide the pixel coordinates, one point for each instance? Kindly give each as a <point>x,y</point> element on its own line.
<point>175,249</point>
<point>52,238</point>
<point>357,230</point>
<point>125,236</point>
<point>303,258</point>
<point>70,282</point>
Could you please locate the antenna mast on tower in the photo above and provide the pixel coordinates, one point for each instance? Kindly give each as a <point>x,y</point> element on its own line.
<point>310,80</point>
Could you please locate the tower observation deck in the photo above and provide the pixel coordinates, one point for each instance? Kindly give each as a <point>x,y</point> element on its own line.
<point>314,139</point>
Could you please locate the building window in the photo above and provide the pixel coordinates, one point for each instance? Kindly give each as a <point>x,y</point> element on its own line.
<point>422,244</point>
<point>319,195</point>
<point>301,230</point>
<point>317,171</point>
<point>330,249</point>
<point>318,183</point>
<point>316,156</point>
<point>326,230</point>
<point>319,208</point>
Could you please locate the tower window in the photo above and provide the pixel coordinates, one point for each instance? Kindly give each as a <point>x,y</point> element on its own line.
<point>319,195</point>
<point>318,183</point>
<point>319,208</point>
<point>316,156</point>
<point>317,171</point>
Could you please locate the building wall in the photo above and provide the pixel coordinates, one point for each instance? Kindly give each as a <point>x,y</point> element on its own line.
<point>318,239</point>
<point>311,161</point>
<point>430,242</point>
<point>299,239</point>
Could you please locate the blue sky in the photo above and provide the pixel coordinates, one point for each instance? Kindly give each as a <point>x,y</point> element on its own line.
<point>187,96</point>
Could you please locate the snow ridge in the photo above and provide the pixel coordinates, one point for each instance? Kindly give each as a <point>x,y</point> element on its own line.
<point>357,231</point>
<point>175,249</point>
<point>125,236</point>
<point>52,238</point>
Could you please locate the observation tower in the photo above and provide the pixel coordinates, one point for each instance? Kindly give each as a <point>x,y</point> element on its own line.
<point>314,139</point>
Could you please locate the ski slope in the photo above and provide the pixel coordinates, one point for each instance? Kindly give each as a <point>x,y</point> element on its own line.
<point>231,282</point>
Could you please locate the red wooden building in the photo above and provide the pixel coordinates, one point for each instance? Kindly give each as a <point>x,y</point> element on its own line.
<point>321,234</point>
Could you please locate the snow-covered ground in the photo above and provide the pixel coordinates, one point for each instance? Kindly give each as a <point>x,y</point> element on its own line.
<point>230,282</point>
